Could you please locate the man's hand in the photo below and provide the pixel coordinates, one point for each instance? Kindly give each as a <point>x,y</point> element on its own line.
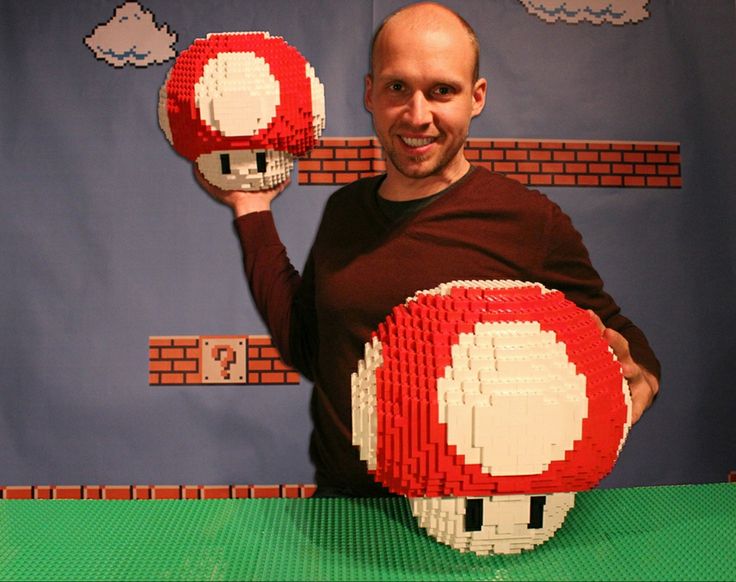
<point>643,385</point>
<point>240,202</point>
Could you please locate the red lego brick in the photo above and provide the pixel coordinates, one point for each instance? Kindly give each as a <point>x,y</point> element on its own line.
<point>165,492</point>
<point>216,492</point>
<point>92,492</point>
<point>17,492</point>
<point>265,491</point>
<point>117,492</point>
<point>190,492</point>
<point>142,492</point>
<point>43,492</point>
<point>241,491</point>
<point>290,491</point>
<point>68,492</point>
<point>308,490</point>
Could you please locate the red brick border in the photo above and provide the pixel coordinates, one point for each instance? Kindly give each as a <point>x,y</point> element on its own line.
<point>534,162</point>
<point>174,360</point>
<point>156,492</point>
<point>179,360</point>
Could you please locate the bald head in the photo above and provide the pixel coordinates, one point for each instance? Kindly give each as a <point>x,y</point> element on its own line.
<point>426,16</point>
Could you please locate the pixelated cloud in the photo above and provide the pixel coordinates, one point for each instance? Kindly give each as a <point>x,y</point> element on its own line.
<point>131,37</point>
<point>617,12</point>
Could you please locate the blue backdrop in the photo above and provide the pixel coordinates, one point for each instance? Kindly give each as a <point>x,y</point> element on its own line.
<point>105,239</point>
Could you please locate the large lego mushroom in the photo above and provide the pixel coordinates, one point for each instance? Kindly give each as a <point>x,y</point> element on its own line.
<point>242,105</point>
<point>489,404</point>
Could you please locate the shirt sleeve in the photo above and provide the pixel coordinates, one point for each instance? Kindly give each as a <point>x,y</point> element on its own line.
<point>567,267</point>
<point>282,296</point>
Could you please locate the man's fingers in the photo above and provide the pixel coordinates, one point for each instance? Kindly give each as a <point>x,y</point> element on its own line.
<point>637,410</point>
<point>642,396</point>
<point>596,319</point>
<point>642,385</point>
<point>620,347</point>
<point>618,344</point>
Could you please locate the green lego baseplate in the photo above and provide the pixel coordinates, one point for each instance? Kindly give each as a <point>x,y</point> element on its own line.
<point>653,533</point>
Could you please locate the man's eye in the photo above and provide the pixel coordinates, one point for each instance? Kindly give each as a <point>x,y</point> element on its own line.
<point>395,86</point>
<point>443,91</point>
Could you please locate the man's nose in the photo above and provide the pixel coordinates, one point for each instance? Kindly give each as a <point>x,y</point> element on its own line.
<point>418,110</point>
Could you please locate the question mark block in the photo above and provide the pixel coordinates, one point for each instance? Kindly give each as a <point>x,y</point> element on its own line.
<point>223,360</point>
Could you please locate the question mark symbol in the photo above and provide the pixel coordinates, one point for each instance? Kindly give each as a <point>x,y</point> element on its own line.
<point>226,356</point>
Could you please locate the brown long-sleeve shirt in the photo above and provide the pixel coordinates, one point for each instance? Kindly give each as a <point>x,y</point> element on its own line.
<point>362,264</point>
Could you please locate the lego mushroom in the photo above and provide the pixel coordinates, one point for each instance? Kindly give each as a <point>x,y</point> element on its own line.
<point>489,404</point>
<point>242,105</point>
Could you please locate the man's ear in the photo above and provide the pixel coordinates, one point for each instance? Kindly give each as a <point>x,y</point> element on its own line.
<point>367,97</point>
<point>479,96</point>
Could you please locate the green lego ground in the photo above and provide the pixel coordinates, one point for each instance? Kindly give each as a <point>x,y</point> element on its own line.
<point>656,533</point>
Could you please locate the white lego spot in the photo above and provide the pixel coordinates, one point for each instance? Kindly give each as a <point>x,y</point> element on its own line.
<point>512,400</point>
<point>237,94</point>
<point>318,101</point>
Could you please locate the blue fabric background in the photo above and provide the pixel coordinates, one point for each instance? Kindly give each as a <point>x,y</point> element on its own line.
<point>105,239</point>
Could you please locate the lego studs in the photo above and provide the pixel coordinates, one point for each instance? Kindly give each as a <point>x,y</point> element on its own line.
<point>242,105</point>
<point>477,398</point>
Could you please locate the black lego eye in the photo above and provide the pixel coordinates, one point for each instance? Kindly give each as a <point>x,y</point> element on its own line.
<point>473,514</point>
<point>261,162</point>
<point>225,163</point>
<point>536,512</point>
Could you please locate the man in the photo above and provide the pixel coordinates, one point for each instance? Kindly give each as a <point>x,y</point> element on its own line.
<point>432,218</point>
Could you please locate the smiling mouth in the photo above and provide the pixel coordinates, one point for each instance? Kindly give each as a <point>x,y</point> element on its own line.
<point>417,142</point>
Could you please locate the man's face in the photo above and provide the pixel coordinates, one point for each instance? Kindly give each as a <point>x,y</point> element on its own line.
<point>422,97</point>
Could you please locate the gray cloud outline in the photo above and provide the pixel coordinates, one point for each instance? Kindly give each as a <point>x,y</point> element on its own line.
<point>131,37</point>
<point>616,12</point>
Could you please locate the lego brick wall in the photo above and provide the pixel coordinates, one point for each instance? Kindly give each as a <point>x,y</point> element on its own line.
<point>156,492</point>
<point>533,162</point>
<point>176,360</point>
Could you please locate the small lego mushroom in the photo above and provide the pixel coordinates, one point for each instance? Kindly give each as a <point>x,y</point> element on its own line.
<point>242,105</point>
<point>489,404</point>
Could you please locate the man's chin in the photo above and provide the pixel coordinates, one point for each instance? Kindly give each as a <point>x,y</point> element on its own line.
<point>416,168</point>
